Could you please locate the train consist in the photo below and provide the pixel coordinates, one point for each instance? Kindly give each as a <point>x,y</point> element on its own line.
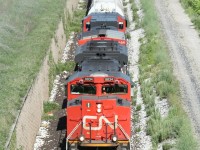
<point>99,91</point>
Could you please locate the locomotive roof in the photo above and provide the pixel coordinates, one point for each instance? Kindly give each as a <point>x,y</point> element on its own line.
<point>99,68</point>
<point>107,16</point>
<point>107,33</point>
<point>102,49</point>
<point>100,65</point>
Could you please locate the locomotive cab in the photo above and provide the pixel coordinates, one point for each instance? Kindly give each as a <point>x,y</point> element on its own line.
<point>98,111</point>
<point>98,86</point>
<point>109,20</point>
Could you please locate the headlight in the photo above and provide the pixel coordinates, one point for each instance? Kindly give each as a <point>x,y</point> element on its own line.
<point>99,106</point>
<point>114,138</point>
<point>98,110</point>
<point>81,138</point>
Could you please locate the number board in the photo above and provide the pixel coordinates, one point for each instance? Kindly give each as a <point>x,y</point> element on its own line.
<point>88,79</point>
<point>109,79</point>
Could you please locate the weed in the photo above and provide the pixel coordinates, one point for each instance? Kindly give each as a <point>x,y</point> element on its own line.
<point>49,109</point>
<point>193,9</point>
<point>135,15</point>
<point>138,107</point>
<point>167,146</point>
<point>125,3</point>
<point>74,23</point>
<point>136,118</point>
<point>163,89</point>
<point>133,102</point>
<point>68,66</point>
<point>125,10</point>
<point>138,129</point>
<point>128,35</point>
<point>50,106</point>
<point>131,1</point>
<point>48,117</point>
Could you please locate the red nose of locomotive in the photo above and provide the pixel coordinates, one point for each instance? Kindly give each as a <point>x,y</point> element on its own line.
<point>103,123</point>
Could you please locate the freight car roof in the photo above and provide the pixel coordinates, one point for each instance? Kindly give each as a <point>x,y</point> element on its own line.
<point>103,6</point>
<point>99,68</point>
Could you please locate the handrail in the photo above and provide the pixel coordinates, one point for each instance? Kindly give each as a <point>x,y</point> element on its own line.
<point>71,133</point>
<point>123,131</point>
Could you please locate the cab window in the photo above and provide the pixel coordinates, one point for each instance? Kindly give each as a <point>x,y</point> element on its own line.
<point>88,26</point>
<point>115,89</point>
<point>121,25</point>
<point>83,89</point>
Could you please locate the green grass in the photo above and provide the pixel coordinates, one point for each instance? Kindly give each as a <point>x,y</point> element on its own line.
<point>13,144</point>
<point>155,65</point>
<point>58,68</point>
<point>26,29</point>
<point>135,15</point>
<point>138,107</point>
<point>73,24</point>
<point>128,36</point>
<point>167,146</point>
<point>193,9</point>
<point>49,108</point>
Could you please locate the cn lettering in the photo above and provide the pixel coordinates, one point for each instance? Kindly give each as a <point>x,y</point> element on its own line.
<point>111,125</point>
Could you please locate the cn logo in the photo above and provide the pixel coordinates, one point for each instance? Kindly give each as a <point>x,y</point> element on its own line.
<point>111,125</point>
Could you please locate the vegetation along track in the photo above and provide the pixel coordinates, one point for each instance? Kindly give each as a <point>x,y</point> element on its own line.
<point>158,85</point>
<point>51,134</point>
<point>184,44</point>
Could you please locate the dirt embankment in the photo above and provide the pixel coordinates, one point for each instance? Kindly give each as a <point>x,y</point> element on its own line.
<point>184,45</point>
<point>31,113</point>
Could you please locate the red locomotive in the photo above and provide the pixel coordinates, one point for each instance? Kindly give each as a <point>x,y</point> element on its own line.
<point>98,109</point>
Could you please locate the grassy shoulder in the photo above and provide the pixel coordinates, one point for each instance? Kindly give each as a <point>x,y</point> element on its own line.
<point>157,79</point>
<point>72,24</point>
<point>50,108</point>
<point>26,29</point>
<point>192,7</point>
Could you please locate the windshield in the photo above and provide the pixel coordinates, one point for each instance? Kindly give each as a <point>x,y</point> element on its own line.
<point>83,89</point>
<point>115,89</point>
<point>104,24</point>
